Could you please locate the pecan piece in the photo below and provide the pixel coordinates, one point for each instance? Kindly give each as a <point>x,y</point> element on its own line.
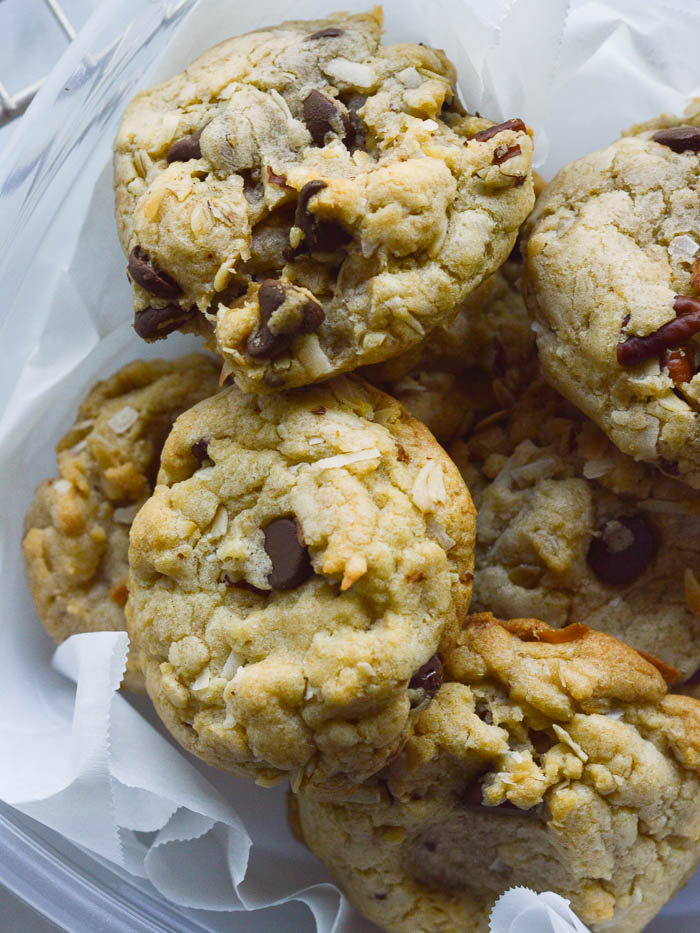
<point>490,131</point>
<point>678,363</point>
<point>674,334</point>
<point>503,153</point>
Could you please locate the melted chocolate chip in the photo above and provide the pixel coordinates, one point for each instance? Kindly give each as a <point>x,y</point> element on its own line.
<point>693,680</point>
<point>291,564</point>
<point>428,678</point>
<point>145,273</point>
<point>330,32</point>
<point>322,236</point>
<point>156,323</point>
<point>669,466</point>
<point>321,117</point>
<point>226,297</point>
<point>674,334</point>
<point>186,148</point>
<point>491,131</point>
<point>623,549</point>
<point>679,138</point>
<point>263,344</point>
<point>200,449</point>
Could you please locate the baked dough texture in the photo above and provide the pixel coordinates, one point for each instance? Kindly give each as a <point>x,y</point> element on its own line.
<point>303,556</point>
<point>549,758</point>
<point>574,530</point>
<point>77,528</point>
<point>612,270</point>
<point>313,199</point>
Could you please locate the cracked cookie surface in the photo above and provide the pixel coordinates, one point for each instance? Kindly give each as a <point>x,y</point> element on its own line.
<point>312,156</point>
<point>302,558</point>
<point>612,269</point>
<point>561,752</point>
<point>574,530</point>
<point>77,529</point>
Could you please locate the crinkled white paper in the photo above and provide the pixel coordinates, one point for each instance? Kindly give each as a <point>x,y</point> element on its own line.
<point>93,764</point>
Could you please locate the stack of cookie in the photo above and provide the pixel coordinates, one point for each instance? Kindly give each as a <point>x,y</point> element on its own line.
<point>294,554</point>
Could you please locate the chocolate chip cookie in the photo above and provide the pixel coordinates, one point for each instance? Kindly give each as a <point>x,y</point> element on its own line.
<point>312,199</point>
<point>302,558</point>
<point>473,366</point>
<point>573,529</point>
<point>612,268</point>
<point>77,529</point>
<point>553,759</point>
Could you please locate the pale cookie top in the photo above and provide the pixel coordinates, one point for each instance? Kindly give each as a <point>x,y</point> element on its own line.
<point>574,530</point>
<point>301,558</point>
<point>613,278</point>
<point>552,759</point>
<point>313,199</point>
<point>475,365</point>
<point>77,529</point>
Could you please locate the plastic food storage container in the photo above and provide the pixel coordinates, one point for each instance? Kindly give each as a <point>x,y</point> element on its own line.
<point>66,138</point>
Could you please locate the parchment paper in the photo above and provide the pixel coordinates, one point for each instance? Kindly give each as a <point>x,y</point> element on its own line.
<point>93,764</point>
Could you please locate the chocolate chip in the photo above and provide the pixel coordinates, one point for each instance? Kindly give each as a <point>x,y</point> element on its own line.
<point>185,148</point>
<point>291,564</point>
<point>427,679</point>
<point>491,131</point>
<point>145,273</point>
<point>200,450</point>
<point>156,323</point>
<point>330,32</point>
<point>693,680</point>
<point>679,138</point>
<point>322,236</point>
<point>623,549</point>
<point>674,334</point>
<point>322,116</point>
<point>678,363</point>
<point>263,344</point>
<point>243,585</point>
<point>504,153</point>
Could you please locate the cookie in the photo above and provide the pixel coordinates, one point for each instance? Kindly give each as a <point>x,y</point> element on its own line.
<point>471,367</point>
<point>302,557</point>
<point>613,278</point>
<point>552,759</point>
<point>312,199</point>
<point>77,528</point>
<point>577,531</point>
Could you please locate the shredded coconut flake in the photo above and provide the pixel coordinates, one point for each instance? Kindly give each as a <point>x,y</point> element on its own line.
<point>356,73</point>
<point>341,460</point>
<point>232,664</point>
<point>592,469</point>
<point>435,530</point>
<point>429,487</point>
<point>81,445</point>
<point>201,682</point>
<point>312,357</point>
<point>220,523</point>
<point>123,419</point>
<point>62,486</point>
<point>615,713</point>
<point>567,740</point>
<point>430,125</point>
<point>125,514</point>
<point>683,247</point>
